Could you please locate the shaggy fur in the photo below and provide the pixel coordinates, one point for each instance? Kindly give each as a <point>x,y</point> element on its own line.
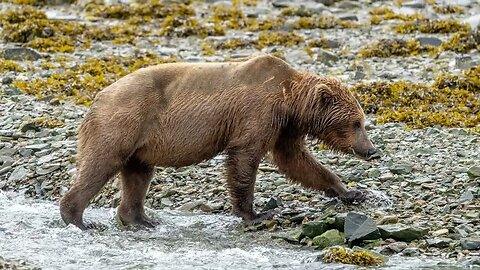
<point>173,115</point>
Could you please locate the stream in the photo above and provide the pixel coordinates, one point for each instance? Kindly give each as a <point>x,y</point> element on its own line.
<point>31,230</point>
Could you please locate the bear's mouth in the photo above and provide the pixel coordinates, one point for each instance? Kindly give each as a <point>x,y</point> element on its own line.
<point>366,156</point>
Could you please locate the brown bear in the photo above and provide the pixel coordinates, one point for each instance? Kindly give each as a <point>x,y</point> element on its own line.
<point>178,114</point>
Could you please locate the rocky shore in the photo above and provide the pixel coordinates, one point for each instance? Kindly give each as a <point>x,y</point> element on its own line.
<point>424,188</point>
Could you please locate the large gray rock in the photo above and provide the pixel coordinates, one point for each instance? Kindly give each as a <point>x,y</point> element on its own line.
<point>21,54</point>
<point>360,227</point>
<point>401,232</point>
<point>314,228</point>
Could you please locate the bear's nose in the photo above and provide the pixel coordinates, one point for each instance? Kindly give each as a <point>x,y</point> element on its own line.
<point>371,151</point>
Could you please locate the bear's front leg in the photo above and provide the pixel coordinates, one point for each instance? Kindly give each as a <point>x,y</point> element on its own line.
<point>242,168</point>
<point>293,159</point>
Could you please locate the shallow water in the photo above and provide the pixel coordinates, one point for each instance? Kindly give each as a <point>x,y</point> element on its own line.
<point>32,230</point>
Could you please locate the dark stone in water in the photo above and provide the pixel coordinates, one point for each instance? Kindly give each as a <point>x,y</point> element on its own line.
<point>360,227</point>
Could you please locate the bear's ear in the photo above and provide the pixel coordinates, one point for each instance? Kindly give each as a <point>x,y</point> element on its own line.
<point>325,93</point>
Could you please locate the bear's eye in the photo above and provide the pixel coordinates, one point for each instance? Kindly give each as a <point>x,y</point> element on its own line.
<point>357,124</point>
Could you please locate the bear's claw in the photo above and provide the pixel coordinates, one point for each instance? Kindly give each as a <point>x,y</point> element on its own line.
<point>353,196</point>
<point>261,217</point>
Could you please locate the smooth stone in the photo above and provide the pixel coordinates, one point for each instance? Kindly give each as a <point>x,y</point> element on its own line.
<point>466,196</point>
<point>474,172</point>
<point>329,238</point>
<point>401,232</point>
<point>18,174</point>
<point>440,232</point>
<point>44,171</point>
<point>470,243</point>
<point>433,41</point>
<point>401,168</point>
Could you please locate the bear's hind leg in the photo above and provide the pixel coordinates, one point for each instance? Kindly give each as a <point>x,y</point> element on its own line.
<point>92,175</point>
<point>136,178</point>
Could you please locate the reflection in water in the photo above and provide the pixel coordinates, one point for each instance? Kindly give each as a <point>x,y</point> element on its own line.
<point>33,231</point>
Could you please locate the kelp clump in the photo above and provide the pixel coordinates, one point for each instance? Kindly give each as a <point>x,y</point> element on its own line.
<point>82,82</point>
<point>323,22</point>
<point>452,101</point>
<point>432,26</point>
<point>42,122</point>
<point>278,38</point>
<point>9,65</point>
<point>147,11</point>
<point>395,47</point>
<point>347,256</point>
<point>377,15</point>
<point>173,26</point>
<point>463,42</point>
<point>448,9</point>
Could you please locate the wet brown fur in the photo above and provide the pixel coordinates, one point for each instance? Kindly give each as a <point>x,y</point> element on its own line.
<point>173,115</point>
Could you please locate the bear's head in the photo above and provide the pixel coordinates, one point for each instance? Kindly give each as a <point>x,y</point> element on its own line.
<point>327,110</point>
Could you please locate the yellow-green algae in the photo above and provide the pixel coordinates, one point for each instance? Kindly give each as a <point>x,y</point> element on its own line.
<point>323,22</point>
<point>347,256</point>
<point>380,14</point>
<point>452,101</point>
<point>396,47</point>
<point>82,83</point>
<point>463,42</point>
<point>45,122</point>
<point>431,26</point>
<point>148,10</point>
<point>278,38</point>
<point>9,65</point>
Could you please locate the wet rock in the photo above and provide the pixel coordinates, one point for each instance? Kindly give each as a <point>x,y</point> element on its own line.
<point>401,168</point>
<point>314,228</point>
<point>360,227</point>
<point>473,262</point>
<point>339,222</point>
<point>37,147</point>
<point>329,238</point>
<point>441,242</point>
<point>474,172</point>
<point>433,41</point>
<point>401,232</point>
<point>392,248</point>
<point>272,203</point>
<point>21,54</point>
<point>18,174</point>
<point>411,252</point>
<point>470,243</point>
<point>349,17</point>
